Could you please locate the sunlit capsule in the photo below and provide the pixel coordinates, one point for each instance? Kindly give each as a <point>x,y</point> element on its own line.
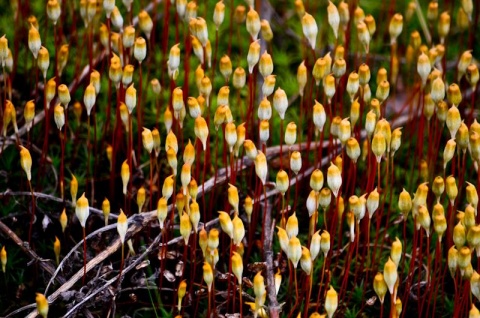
<point>353,84</point>
<point>64,95</point>
<point>462,137</point>
<point>34,41</point>
<point>238,230</point>
<point>443,26</point>
<point>299,8</point>
<point>329,87</point>
<point>395,27</point>
<point>333,18</point>
<point>331,302</point>
<point>344,131</point>
<point>464,257</point>
<point>472,195</point>
<point>371,25</point>
<point>253,24</point>
<point>167,189</point>
<point>42,305</point>
<point>310,29</point>
<point>353,149</point>
<point>378,146</point>
<point>208,275</point>
<point>124,116</point>
<point>344,13</point>
<point>319,116</point>
<point>474,141</point>
<point>59,116</point>
<point>264,110</point>
<point>174,59</point>
<point>201,31</point>
<point>198,51</point>
<point>248,206</point>
<point>265,65</point>
<point>253,55</point>
<point>237,266</point>
<point>452,260</point>
<point>320,70</point>
<point>432,11</point>
<point>82,210</point>
<point>191,11</point>
<point>306,261</point>
<point>63,219</point>
<point>283,239</point>
<point>291,134</point>
<point>312,204</point>
<point>201,131</point>
<point>454,95</point>
<point>261,168</point>
<point>383,91</point>
<point>172,160</point>
<point>116,18</point>
<point>464,61</point>
<point>437,92</point>
<point>127,75</point>
<point>423,219</point>
<point>122,226</point>
<point>225,66</point>
<point>301,77</point>
<point>43,61</point>
<point>177,99</point>
<point>219,14</point>
<point>451,189</point>
<point>474,312</point>
<point>26,162</point>
<point>339,68</point>
<point>423,67</point>
<point>185,227</point>
<point>250,149</point>
<point>442,111</point>
<point>448,152</point>
<point>459,235</point>
<point>50,91</point>
<point>268,85</point>
<point>239,78</point>
<point>162,211</point>
<point>230,135</point>
<point>29,113</point>
<point>282,182</point>
<point>473,235</point>
<point>294,251</point>
<point>363,35</point>
<point>125,174</point>
<point>334,179</point>
<point>438,187</point>
<point>295,162</point>
<point>115,73</point>
<point>280,102</point>
<point>145,23</point>
<point>358,15</point>
<point>266,30</point>
<point>131,98</point>
<point>140,49</point>
<point>405,203</point>
<point>390,275</point>
<point>380,287</point>
<point>453,121</point>
<point>53,10</point>
<point>128,36</point>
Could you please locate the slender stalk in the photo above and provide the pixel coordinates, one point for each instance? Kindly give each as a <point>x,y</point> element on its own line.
<point>32,214</point>
<point>84,257</point>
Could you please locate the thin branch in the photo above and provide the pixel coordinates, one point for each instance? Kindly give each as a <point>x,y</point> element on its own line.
<point>25,247</point>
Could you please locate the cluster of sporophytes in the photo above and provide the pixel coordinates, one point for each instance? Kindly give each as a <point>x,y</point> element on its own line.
<point>258,158</point>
